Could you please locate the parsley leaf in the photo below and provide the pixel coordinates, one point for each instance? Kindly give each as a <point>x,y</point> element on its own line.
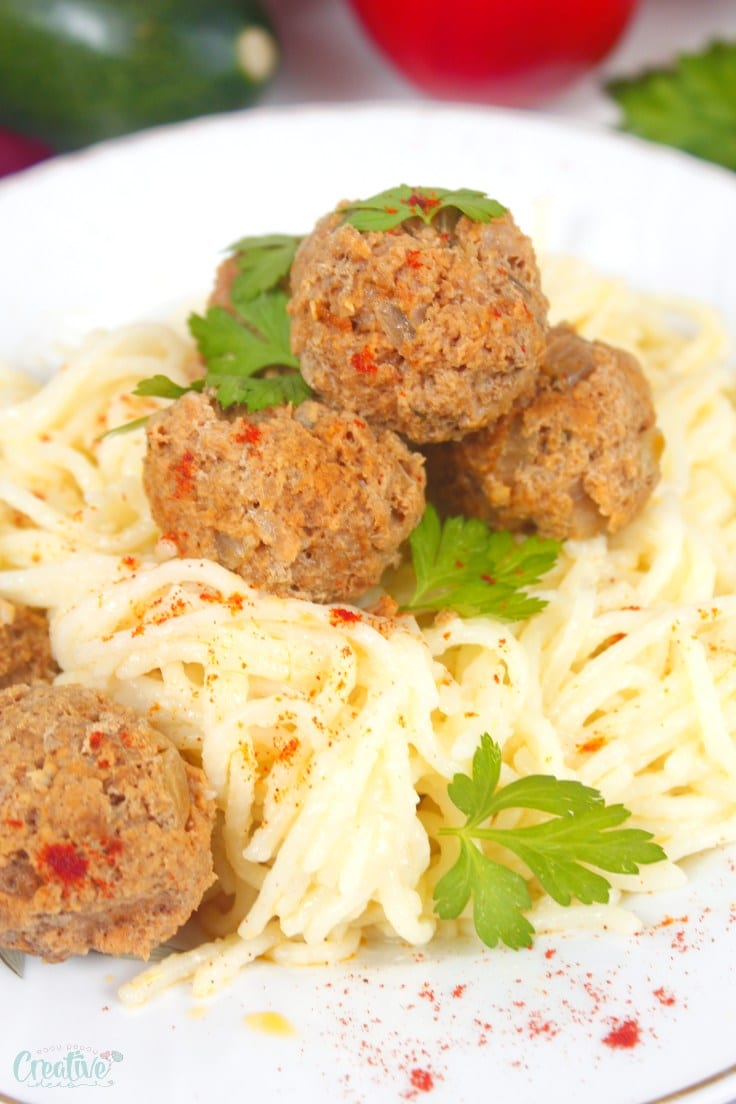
<point>389,209</point>
<point>225,343</point>
<point>237,345</point>
<point>499,897</point>
<point>158,386</point>
<point>263,263</point>
<point>691,106</point>
<point>235,349</point>
<point>164,388</point>
<point>583,832</point>
<point>257,394</point>
<point>463,565</point>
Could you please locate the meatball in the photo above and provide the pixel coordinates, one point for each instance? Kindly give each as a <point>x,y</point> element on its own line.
<point>104,829</point>
<point>432,331</point>
<point>578,459</point>
<point>25,650</point>
<point>301,501</point>
<point>220,295</point>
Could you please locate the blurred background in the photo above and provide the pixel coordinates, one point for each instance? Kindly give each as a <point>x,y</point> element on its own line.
<point>328,53</point>
<point>73,72</point>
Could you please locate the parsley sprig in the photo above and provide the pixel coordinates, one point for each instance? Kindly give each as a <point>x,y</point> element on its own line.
<point>462,564</point>
<point>583,832</point>
<point>236,346</point>
<point>691,105</point>
<point>391,208</point>
<point>263,263</point>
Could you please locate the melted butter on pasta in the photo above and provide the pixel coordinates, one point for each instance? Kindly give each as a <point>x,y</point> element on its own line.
<point>330,743</point>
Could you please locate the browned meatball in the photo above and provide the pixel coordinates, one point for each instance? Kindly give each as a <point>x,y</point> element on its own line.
<point>305,501</point>
<point>220,295</point>
<point>104,829</point>
<point>25,651</point>
<point>580,458</point>
<point>431,332</point>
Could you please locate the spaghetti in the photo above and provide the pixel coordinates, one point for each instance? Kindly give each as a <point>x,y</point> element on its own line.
<point>329,736</point>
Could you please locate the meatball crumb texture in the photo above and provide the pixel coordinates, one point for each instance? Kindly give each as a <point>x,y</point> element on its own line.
<point>580,458</point>
<point>25,650</point>
<point>430,330</point>
<point>304,501</point>
<point>104,828</point>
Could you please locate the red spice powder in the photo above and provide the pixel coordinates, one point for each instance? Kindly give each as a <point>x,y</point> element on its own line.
<point>247,433</point>
<point>234,602</point>
<point>95,739</point>
<point>594,744</point>
<point>624,1035</point>
<point>338,616</point>
<point>539,1026</point>
<point>12,822</point>
<point>423,202</point>
<point>363,361</point>
<point>664,997</point>
<point>211,596</point>
<point>422,1079</point>
<point>289,750</point>
<point>105,889</point>
<point>184,469</point>
<point>414,258</point>
<point>177,538</point>
<point>64,862</point>
<point>678,942</point>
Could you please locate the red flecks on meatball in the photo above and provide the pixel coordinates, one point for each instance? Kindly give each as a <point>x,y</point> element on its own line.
<point>430,330</point>
<point>104,829</point>
<point>307,501</point>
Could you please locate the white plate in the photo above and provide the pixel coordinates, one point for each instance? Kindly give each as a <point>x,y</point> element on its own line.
<point>134,228</point>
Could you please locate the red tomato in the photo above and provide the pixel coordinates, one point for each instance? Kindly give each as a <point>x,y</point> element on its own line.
<point>494,51</point>
<point>17,152</point>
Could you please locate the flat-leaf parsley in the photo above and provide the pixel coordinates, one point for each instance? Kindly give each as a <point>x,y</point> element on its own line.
<point>263,263</point>
<point>391,208</point>
<point>239,345</point>
<point>462,564</point>
<point>583,832</point>
<point>691,105</point>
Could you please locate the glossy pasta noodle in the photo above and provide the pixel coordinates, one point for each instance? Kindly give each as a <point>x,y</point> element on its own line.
<point>328,734</point>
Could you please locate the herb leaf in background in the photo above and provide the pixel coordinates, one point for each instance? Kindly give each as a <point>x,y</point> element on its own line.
<point>462,564</point>
<point>582,832</point>
<point>691,106</point>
